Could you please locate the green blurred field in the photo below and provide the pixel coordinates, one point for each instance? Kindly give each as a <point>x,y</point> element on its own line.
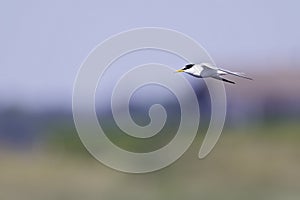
<point>257,163</point>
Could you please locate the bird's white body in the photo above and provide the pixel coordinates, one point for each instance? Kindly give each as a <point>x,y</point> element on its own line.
<point>205,70</point>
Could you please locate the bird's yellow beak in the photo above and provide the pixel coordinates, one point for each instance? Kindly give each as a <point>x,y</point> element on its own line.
<point>179,70</point>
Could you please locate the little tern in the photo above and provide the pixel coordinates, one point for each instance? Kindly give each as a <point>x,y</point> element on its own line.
<point>204,70</point>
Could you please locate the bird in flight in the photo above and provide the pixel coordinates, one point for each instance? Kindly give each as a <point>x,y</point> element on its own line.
<point>204,70</point>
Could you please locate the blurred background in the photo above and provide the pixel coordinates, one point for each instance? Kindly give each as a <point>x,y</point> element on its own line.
<point>43,45</point>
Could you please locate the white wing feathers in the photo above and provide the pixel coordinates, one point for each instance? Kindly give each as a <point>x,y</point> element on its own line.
<point>239,74</point>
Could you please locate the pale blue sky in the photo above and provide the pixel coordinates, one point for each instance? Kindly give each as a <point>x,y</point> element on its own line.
<point>44,43</point>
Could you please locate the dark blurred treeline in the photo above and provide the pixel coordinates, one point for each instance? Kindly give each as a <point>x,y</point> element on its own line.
<point>23,129</point>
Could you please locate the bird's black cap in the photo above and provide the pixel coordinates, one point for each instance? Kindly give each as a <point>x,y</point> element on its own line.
<point>188,66</point>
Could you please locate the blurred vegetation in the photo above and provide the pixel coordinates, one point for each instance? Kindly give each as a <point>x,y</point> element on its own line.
<point>257,161</point>
<point>64,138</point>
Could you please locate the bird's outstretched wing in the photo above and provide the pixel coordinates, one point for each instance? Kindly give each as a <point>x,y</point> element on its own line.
<point>239,74</point>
